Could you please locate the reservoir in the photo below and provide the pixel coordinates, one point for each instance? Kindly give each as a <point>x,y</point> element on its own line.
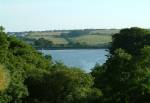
<point>80,58</point>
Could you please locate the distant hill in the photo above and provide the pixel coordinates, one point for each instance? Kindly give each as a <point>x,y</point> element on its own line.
<point>84,38</point>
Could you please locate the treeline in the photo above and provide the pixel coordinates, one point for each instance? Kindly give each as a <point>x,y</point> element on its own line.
<point>26,76</point>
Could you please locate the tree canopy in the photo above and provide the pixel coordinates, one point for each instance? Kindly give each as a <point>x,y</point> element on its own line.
<point>26,76</point>
<point>124,78</point>
<point>131,40</point>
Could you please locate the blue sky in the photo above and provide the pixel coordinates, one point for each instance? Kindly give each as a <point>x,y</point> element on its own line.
<point>24,15</point>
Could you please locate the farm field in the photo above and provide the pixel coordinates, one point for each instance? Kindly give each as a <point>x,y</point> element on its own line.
<point>92,39</point>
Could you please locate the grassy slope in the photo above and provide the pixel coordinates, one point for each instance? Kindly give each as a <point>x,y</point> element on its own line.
<point>54,39</point>
<point>95,37</point>
<point>45,33</point>
<point>92,39</point>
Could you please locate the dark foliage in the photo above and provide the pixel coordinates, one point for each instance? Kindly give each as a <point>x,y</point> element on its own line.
<point>124,78</point>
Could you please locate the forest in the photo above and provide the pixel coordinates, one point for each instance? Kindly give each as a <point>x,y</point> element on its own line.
<point>27,76</point>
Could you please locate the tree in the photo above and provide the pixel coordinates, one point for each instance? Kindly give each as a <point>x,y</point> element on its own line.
<point>21,62</point>
<point>131,40</point>
<point>113,77</point>
<point>75,33</point>
<point>2,29</point>
<point>43,43</point>
<point>124,78</point>
<point>63,85</point>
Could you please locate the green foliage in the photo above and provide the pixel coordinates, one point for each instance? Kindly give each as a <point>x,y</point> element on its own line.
<point>43,43</point>
<point>62,85</point>
<point>20,60</point>
<point>34,78</point>
<point>131,40</point>
<point>2,29</point>
<point>124,78</point>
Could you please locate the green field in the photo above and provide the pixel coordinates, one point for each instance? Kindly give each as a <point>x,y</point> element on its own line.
<point>54,39</point>
<point>92,40</point>
<point>44,33</point>
<point>57,40</point>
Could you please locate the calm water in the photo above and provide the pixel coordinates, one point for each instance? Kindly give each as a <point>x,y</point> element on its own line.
<point>84,59</point>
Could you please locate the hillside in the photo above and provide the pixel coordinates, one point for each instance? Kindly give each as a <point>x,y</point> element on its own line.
<point>86,38</point>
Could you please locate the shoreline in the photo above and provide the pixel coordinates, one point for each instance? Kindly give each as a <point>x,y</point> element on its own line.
<point>69,48</point>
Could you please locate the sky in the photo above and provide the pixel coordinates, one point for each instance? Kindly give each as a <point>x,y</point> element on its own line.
<point>38,15</point>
